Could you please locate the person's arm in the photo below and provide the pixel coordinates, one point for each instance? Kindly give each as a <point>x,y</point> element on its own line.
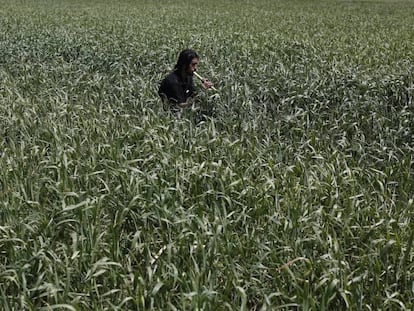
<point>185,104</point>
<point>189,102</point>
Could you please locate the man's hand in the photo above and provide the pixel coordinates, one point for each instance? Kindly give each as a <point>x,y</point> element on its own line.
<point>206,84</point>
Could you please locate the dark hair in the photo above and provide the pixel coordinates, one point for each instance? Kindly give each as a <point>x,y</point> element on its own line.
<point>184,59</point>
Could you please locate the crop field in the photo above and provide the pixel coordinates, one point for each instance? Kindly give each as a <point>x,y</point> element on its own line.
<point>294,192</point>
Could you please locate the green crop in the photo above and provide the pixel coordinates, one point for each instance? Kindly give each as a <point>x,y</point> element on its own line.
<point>295,191</point>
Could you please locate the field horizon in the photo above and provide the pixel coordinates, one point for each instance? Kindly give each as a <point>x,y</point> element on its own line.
<point>293,192</point>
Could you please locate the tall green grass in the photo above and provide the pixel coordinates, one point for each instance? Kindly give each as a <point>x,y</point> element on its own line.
<point>295,193</point>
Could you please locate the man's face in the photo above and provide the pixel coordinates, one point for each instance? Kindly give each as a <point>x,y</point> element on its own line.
<point>193,66</point>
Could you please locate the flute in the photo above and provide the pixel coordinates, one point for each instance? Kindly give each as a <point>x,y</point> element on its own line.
<point>202,79</point>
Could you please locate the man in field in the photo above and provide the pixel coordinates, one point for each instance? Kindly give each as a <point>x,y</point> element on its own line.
<point>177,88</point>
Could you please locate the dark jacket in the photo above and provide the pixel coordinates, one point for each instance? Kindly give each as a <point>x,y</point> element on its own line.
<point>175,89</point>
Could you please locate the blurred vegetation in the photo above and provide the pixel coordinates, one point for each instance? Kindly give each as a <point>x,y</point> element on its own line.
<point>295,192</point>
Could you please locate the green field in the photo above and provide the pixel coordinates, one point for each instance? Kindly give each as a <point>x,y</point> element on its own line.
<point>295,193</point>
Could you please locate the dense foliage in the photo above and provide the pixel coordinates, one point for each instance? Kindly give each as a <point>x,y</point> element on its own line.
<point>296,191</point>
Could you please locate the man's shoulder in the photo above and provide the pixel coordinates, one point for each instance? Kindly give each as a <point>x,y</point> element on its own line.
<point>169,84</point>
<point>172,77</point>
